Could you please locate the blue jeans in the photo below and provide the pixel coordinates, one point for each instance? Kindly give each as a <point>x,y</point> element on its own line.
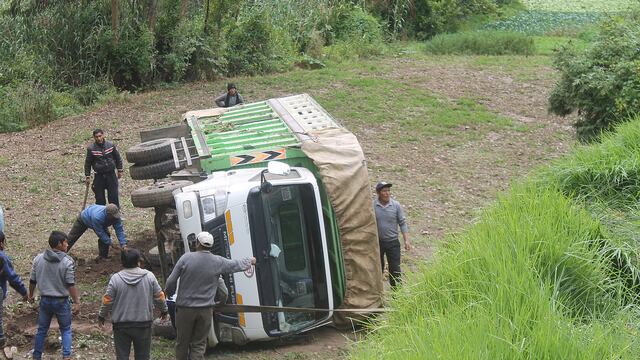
<point>61,308</point>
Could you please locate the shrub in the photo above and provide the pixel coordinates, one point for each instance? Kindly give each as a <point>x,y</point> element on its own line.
<point>481,43</point>
<point>602,83</point>
<point>255,46</point>
<point>433,17</point>
<point>26,105</point>
<point>356,34</point>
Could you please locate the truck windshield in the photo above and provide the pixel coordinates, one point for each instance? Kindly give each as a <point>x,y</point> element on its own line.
<point>292,245</point>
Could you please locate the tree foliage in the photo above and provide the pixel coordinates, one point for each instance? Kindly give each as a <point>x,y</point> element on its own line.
<point>602,83</point>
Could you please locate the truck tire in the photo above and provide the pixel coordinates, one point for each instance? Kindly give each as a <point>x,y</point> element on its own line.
<point>154,171</point>
<point>150,152</point>
<point>158,194</point>
<point>154,257</point>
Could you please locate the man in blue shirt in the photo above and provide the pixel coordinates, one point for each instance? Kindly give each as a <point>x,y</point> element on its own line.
<point>98,218</point>
<point>7,273</point>
<point>390,216</point>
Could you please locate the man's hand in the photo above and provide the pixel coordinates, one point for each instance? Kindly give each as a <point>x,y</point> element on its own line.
<point>31,299</point>
<point>87,180</point>
<point>253,261</point>
<point>75,309</point>
<point>163,316</point>
<point>407,245</point>
<point>120,172</point>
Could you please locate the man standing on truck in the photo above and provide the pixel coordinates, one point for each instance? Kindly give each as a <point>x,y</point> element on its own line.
<point>98,218</point>
<point>198,273</point>
<point>53,272</point>
<point>390,215</point>
<point>106,162</point>
<point>231,98</point>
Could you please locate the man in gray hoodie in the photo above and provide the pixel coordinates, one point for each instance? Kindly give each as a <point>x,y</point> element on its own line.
<point>53,272</point>
<point>129,297</point>
<point>198,273</point>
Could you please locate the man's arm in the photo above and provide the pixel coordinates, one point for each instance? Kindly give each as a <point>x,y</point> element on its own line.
<point>220,100</point>
<point>118,159</point>
<point>73,291</point>
<point>231,266</point>
<point>122,238</point>
<point>107,302</point>
<point>404,228</point>
<point>240,99</point>
<point>14,279</point>
<point>159,298</point>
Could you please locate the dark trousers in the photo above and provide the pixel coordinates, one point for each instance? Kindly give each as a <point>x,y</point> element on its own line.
<point>123,337</point>
<point>192,329</point>
<point>77,230</point>
<point>392,250</point>
<point>106,182</point>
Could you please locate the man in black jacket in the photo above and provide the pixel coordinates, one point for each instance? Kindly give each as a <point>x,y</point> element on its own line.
<point>106,162</point>
<point>231,98</point>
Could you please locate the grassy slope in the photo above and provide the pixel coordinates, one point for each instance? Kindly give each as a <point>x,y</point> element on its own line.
<point>534,277</point>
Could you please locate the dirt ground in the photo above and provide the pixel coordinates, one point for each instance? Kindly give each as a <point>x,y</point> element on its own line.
<point>442,184</point>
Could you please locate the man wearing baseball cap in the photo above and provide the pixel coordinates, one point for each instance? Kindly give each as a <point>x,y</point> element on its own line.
<point>98,218</point>
<point>390,215</point>
<point>198,273</point>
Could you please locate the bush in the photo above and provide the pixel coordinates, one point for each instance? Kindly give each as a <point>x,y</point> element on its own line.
<point>355,34</point>
<point>255,46</point>
<point>481,43</point>
<point>26,105</point>
<point>602,83</point>
<point>434,17</point>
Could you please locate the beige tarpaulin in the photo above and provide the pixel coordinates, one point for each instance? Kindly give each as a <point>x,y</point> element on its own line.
<point>340,160</point>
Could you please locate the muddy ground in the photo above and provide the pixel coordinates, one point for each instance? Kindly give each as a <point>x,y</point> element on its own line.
<point>443,181</point>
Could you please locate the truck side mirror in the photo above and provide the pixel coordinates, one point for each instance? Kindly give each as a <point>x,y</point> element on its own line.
<point>278,168</point>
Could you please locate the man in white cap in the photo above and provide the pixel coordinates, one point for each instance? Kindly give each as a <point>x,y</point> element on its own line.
<point>390,215</point>
<point>198,273</point>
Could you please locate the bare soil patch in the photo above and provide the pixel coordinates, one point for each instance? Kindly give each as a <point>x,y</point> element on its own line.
<point>441,182</point>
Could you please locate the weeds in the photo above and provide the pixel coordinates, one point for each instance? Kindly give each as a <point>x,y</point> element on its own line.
<point>481,43</point>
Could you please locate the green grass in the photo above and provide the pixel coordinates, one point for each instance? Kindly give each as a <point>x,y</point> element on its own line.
<point>374,99</point>
<point>608,172</point>
<point>550,271</point>
<point>480,43</point>
<point>547,45</point>
<point>528,281</point>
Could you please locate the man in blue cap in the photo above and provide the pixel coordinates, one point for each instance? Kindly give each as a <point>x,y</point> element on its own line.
<point>390,216</point>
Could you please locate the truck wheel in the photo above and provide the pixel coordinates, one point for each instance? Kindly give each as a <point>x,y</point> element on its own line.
<point>158,194</point>
<point>154,257</point>
<point>154,171</point>
<point>150,152</point>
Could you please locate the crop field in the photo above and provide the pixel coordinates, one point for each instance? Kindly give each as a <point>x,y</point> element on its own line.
<point>552,17</point>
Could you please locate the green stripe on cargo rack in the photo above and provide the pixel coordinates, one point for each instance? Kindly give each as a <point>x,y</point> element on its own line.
<point>244,131</point>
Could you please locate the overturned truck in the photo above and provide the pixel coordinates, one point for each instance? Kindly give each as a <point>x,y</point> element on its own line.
<point>280,180</point>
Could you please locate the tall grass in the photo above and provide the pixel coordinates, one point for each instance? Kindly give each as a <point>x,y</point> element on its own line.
<point>528,281</point>
<point>608,172</point>
<point>481,43</point>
